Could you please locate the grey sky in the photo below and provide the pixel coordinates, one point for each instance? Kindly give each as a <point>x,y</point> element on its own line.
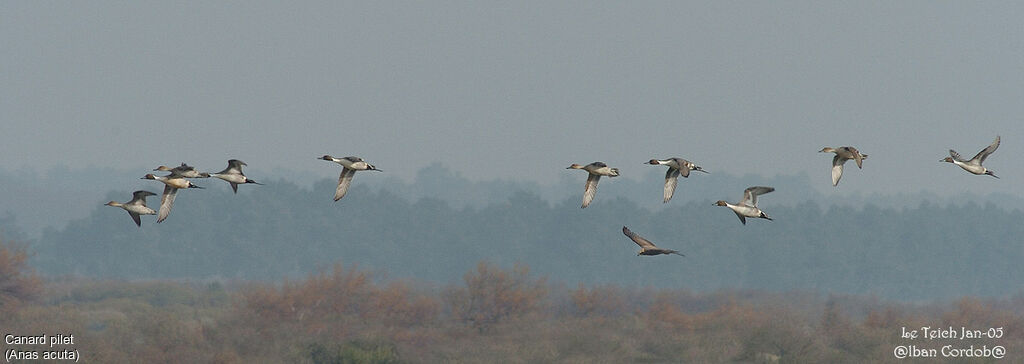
<point>518,89</point>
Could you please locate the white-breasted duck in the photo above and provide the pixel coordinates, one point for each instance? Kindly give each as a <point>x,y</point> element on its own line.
<point>747,207</point>
<point>974,164</point>
<point>171,185</point>
<point>351,165</point>
<point>136,207</point>
<point>595,171</point>
<point>233,174</point>
<point>676,167</point>
<point>184,170</point>
<point>843,154</point>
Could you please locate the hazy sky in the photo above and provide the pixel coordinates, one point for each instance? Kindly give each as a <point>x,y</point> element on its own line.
<point>518,89</point>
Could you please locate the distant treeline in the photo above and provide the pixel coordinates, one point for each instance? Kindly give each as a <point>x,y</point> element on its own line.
<point>923,251</point>
<point>33,201</point>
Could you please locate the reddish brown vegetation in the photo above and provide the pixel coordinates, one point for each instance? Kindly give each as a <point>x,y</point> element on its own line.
<point>492,295</point>
<point>605,301</point>
<point>18,282</point>
<point>346,315</point>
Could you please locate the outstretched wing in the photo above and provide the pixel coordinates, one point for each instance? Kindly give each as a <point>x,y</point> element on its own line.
<point>166,202</point>
<point>235,166</point>
<point>639,240</point>
<point>591,189</point>
<point>139,197</point>
<point>135,217</point>
<point>344,180</point>
<point>750,194</point>
<point>837,169</point>
<point>671,178</point>
<point>984,153</point>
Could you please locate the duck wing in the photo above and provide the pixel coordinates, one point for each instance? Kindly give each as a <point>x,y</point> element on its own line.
<point>684,168</point>
<point>837,169</point>
<point>743,219</point>
<point>750,195</point>
<point>344,180</point>
<point>590,189</point>
<point>639,240</point>
<point>139,197</point>
<point>166,202</point>
<point>956,156</point>
<point>235,165</point>
<point>984,153</point>
<point>671,178</point>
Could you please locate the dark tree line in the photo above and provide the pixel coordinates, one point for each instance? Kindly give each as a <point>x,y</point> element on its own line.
<point>283,230</point>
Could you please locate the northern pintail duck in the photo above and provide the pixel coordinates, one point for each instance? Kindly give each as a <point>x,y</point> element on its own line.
<point>974,165</point>
<point>595,170</point>
<point>233,174</point>
<point>137,206</point>
<point>676,167</point>
<point>843,154</point>
<point>183,170</point>
<point>646,246</point>
<point>351,164</point>
<point>747,207</point>
<point>171,185</point>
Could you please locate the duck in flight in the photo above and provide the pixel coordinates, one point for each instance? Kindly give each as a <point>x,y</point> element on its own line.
<point>233,174</point>
<point>747,207</point>
<point>351,165</point>
<point>135,207</point>
<point>974,164</point>
<point>676,167</point>
<point>595,171</point>
<point>171,183</point>
<point>646,246</point>
<point>843,154</point>
<point>184,170</point>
